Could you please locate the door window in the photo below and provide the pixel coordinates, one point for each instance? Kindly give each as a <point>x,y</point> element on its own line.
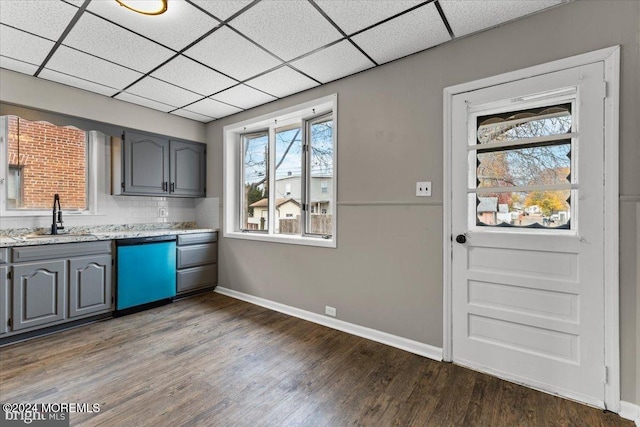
<point>523,175</point>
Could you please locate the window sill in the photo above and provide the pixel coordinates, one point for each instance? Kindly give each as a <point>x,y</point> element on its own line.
<point>286,239</point>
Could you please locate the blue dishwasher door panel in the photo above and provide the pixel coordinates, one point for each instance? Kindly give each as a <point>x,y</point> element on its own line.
<point>146,273</point>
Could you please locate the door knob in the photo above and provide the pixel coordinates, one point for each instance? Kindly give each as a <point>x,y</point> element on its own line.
<point>461,238</point>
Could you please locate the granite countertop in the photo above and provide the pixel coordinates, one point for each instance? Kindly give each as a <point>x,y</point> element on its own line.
<point>32,237</point>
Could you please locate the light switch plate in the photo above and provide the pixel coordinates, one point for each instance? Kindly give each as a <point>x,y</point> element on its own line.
<point>423,189</point>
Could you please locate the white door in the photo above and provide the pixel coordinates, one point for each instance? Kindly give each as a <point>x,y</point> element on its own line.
<point>527,225</point>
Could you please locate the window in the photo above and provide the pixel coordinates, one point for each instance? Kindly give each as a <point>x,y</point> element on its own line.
<point>280,177</point>
<point>39,159</point>
<point>524,176</point>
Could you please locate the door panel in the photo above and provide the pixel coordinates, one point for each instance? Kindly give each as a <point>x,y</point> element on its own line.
<point>188,164</point>
<point>146,164</point>
<point>38,293</point>
<point>527,294</point>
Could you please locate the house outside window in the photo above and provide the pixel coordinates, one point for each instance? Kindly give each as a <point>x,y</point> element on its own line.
<point>280,177</point>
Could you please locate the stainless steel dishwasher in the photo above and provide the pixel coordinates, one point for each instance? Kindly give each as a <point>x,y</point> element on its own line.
<point>145,272</point>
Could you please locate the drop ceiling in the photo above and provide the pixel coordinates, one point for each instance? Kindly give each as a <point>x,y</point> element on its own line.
<point>207,59</point>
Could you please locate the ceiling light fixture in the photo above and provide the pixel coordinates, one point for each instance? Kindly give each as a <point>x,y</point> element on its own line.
<point>145,7</point>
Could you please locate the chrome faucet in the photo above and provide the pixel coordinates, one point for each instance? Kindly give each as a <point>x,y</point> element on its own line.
<point>56,218</point>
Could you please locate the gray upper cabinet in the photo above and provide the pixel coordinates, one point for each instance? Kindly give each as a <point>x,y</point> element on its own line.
<point>188,174</point>
<point>146,164</point>
<point>38,293</point>
<point>154,165</point>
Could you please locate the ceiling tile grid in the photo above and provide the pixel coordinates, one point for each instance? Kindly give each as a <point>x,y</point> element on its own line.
<point>76,82</point>
<point>243,96</point>
<point>212,108</point>
<point>222,9</point>
<point>409,33</point>
<point>352,16</point>
<point>205,59</point>
<point>232,54</point>
<point>193,116</point>
<point>88,67</point>
<point>283,27</point>
<point>13,42</point>
<point>101,38</point>
<point>135,99</point>
<point>187,73</point>
<point>466,17</point>
<point>157,90</point>
<point>341,59</point>
<point>282,82</point>
<point>43,18</point>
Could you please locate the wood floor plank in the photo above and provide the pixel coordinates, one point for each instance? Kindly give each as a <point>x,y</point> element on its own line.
<point>215,361</point>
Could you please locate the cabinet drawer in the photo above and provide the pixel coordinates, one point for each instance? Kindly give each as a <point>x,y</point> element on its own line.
<point>190,256</point>
<point>46,252</point>
<point>195,238</point>
<point>4,255</point>
<point>197,277</point>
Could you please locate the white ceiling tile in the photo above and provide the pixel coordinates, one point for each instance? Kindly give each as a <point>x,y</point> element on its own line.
<point>353,16</point>
<point>186,73</point>
<point>282,82</point>
<point>415,31</point>
<point>211,108</point>
<point>101,38</point>
<point>160,91</point>
<point>283,27</point>
<point>14,42</point>
<point>469,16</point>
<point>76,82</point>
<point>144,102</point>
<point>222,9</point>
<point>87,67</point>
<point>181,24</point>
<point>193,116</point>
<point>19,66</point>
<point>232,54</point>
<point>334,62</point>
<point>243,96</point>
<point>44,18</point>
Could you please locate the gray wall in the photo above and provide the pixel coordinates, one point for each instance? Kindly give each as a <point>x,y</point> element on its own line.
<point>386,273</point>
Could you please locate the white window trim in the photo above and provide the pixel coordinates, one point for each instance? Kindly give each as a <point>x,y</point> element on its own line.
<point>96,169</point>
<point>231,171</point>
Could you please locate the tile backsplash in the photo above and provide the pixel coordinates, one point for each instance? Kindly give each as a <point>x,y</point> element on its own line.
<point>116,210</point>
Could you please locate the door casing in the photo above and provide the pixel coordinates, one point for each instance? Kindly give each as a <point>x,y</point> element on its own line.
<point>611,59</point>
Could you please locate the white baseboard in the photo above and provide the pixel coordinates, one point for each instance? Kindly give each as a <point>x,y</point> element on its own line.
<point>411,346</point>
<point>630,411</point>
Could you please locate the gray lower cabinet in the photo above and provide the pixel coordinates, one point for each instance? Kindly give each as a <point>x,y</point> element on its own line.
<point>197,262</point>
<point>54,284</point>
<point>4,299</point>
<point>90,288</point>
<point>38,293</point>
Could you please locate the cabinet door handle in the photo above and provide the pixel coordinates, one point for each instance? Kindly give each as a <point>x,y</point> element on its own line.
<point>164,185</point>
<point>173,187</point>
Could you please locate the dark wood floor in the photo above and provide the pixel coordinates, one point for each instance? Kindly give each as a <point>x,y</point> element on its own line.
<point>216,361</point>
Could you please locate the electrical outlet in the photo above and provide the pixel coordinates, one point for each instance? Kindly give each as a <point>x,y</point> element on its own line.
<point>423,189</point>
<point>330,311</point>
<point>162,212</point>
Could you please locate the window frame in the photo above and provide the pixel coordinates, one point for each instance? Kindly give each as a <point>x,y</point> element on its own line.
<point>565,95</point>
<point>94,143</point>
<point>233,134</point>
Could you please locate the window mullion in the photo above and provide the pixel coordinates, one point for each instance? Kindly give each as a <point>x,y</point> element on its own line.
<point>305,199</point>
<point>271,173</point>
